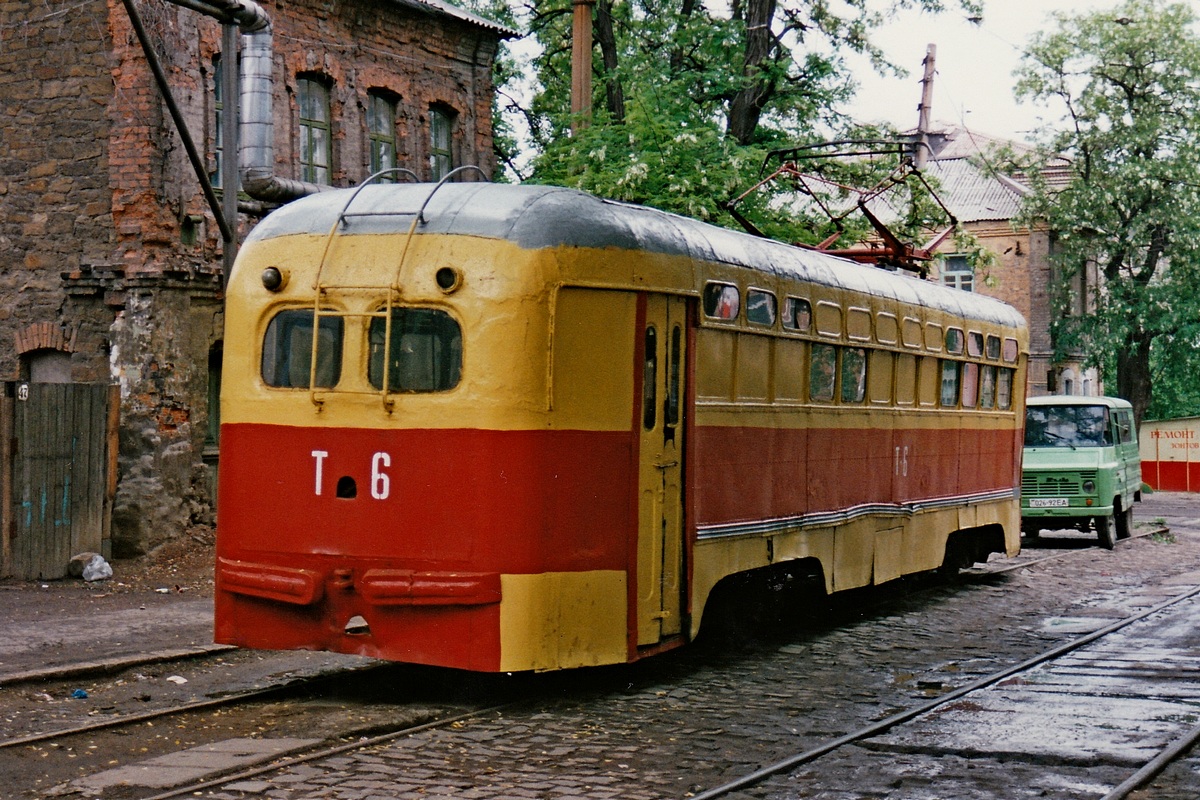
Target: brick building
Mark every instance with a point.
(110, 259)
(987, 205)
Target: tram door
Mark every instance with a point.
(660, 503)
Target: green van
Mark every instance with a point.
(1081, 466)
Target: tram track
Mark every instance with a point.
(1166, 756)
(443, 718)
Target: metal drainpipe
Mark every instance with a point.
(255, 129)
(257, 154)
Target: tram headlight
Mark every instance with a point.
(1089, 487)
(448, 279)
(274, 279)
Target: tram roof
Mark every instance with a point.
(538, 217)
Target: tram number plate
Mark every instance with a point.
(1048, 502)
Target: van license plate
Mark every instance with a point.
(1048, 502)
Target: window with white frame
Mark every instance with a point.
(958, 273)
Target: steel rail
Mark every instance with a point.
(185, 708)
(326, 752)
(884, 725)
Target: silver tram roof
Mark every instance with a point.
(538, 217)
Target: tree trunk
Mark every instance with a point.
(615, 95)
(746, 107)
(1133, 373)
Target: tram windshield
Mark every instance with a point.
(1067, 426)
(424, 354)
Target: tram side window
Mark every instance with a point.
(993, 348)
(288, 345)
(797, 314)
(822, 374)
(974, 344)
(1004, 389)
(906, 380)
(970, 385)
(949, 396)
(760, 307)
(954, 340)
(987, 387)
(424, 354)
(650, 380)
(722, 301)
(854, 374)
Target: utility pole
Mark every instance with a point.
(924, 109)
(581, 64)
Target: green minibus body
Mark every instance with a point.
(1081, 467)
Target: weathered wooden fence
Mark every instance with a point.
(58, 446)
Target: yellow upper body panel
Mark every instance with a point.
(542, 283)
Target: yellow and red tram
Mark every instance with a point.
(507, 428)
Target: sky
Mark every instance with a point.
(974, 64)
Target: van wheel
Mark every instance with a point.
(1104, 529)
(1124, 520)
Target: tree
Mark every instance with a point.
(688, 100)
(1128, 84)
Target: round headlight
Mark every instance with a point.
(1089, 487)
(273, 279)
(448, 279)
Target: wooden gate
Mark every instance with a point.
(58, 446)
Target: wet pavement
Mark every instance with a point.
(688, 721)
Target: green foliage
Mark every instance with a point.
(688, 101)
(1127, 223)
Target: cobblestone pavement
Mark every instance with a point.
(682, 723)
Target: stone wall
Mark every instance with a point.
(104, 233)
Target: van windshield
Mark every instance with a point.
(1067, 426)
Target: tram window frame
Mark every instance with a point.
(948, 391)
(722, 301)
(969, 384)
(437, 368)
(761, 307)
(975, 344)
(852, 373)
(987, 386)
(286, 361)
(797, 314)
(674, 368)
(1012, 351)
(906, 378)
(881, 374)
(822, 372)
(954, 341)
(650, 378)
(1004, 388)
(992, 348)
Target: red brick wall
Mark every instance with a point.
(96, 194)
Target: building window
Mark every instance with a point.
(381, 133)
(315, 139)
(958, 273)
(441, 153)
(218, 122)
